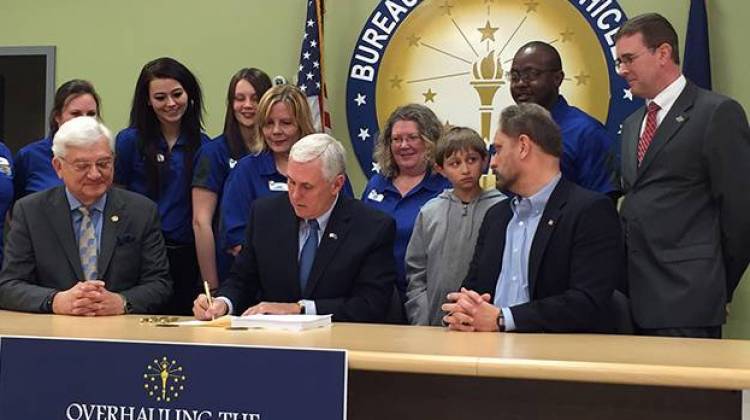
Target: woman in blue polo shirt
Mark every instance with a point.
(155, 158)
(405, 154)
(33, 166)
(283, 118)
(213, 163)
(6, 189)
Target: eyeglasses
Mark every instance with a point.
(410, 139)
(627, 59)
(102, 165)
(528, 74)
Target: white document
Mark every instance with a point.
(282, 322)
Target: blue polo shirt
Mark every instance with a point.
(589, 158)
(255, 176)
(6, 189)
(174, 200)
(381, 194)
(33, 168)
(213, 164)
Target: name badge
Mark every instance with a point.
(5, 167)
(277, 186)
(374, 196)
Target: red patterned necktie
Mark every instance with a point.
(648, 132)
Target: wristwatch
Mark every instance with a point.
(47, 307)
(500, 321)
(126, 306)
(301, 304)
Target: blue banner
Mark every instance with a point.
(697, 66)
(95, 380)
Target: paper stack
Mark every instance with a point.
(282, 322)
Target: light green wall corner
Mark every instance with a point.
(108, 43)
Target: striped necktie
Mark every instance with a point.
(87, 245)
(648, 132)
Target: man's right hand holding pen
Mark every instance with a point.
(205, 312)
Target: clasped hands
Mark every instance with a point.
(204, 312)
(467, 310)
(88, 298)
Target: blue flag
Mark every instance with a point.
(697, 65)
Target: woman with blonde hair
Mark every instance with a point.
(283, 118)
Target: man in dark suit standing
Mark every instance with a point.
(684, 173)
(547, 259)
(84, 248)
(312, 251)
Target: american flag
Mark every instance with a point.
(310, 74)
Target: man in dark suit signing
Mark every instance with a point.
(549, 258)
(84, 248)
(312, 251)
(684, 173)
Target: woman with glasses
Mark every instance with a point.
(33, 165)
(215, 160)
(405, 153)
(155, 158)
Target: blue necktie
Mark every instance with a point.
(307, 256)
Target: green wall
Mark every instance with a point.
(107, 42)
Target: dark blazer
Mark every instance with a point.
(686, 211)
(353, 274)
(576, 261)
(41, 255)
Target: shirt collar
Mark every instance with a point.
(323, 218)
(539, 200)
(267, 164)
(75, 204)
(181, 141)
(667, 97)
(559, 108)
(432, 181)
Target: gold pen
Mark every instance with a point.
(208, 295)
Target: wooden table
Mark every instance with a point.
(402, 372)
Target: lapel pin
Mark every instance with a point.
(680, 118)
(550, 222)
(159, 157)
(114, 218)
(333, 236)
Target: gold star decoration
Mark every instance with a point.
(429, 96)
(531, 6)
(446, 7)
(413, 40)
(581, 78)
(567, 35)
(396, 82)
(488, 32)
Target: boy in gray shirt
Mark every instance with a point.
(445, 231)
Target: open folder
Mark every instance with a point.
(275, 322)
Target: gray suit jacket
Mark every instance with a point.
(41, 253)
(685, 212)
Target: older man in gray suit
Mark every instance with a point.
(685, 159)
(84, 248)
